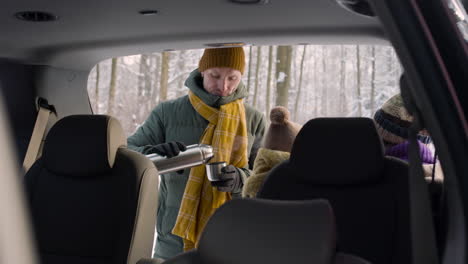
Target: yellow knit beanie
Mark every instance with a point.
(233, 58)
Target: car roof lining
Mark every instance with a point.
(88, 31)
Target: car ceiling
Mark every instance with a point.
(88, 30)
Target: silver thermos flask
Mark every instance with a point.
(194, 155)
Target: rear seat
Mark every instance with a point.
(92, 200)
(252, 231)
(342, 160)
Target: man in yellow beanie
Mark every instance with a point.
(212, 113)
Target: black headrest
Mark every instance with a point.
(269, 231)
(338, 151)
(83, 145)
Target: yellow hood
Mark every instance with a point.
(266, 159)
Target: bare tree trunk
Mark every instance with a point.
(157, 75)
(141, 74)
(144, 89)
(268, 91)
(257, 70)
(96, 93)
(324, 84)
(358, 80)
(342, 102)
(144, 81)
(283, 72)
(181, 65)
(315, 95)
(372, 95)
(112, 87)
(164, 76)
(298, 95)
(250, 68)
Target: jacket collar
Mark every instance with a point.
(195, 83)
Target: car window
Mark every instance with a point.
(310, 80)
(459, 13)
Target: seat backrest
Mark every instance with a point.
(92, 200)
(342, 160)
(252, 231)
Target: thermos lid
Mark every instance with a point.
(206, 151)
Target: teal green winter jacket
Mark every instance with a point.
(177, 120)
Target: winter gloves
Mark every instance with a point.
(231, 180)
(169, 149)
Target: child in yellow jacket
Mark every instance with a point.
(276, 148)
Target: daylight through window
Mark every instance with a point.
(310, 80)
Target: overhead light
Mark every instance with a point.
(249, 2)
(148, 12)
(224, 45)
(36, 16)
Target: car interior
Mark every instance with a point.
(72, 192)
(372, 203)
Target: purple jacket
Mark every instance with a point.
(401, 151)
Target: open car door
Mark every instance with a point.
(430, 38)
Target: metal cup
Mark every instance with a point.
(213, 170)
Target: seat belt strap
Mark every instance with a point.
(38, 134)
(423, 240)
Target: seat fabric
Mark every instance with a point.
(251, 231)
(84, 193)
(341, 160)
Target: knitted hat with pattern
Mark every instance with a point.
(393, 121)
(233, 58)
(282, 132)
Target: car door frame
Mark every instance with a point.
(415, 30)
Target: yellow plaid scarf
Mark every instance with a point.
(227, 134)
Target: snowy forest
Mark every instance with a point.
(310, 80)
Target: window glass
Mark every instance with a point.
(310, 80)
(460, 16)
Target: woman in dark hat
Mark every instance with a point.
(393, 122)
